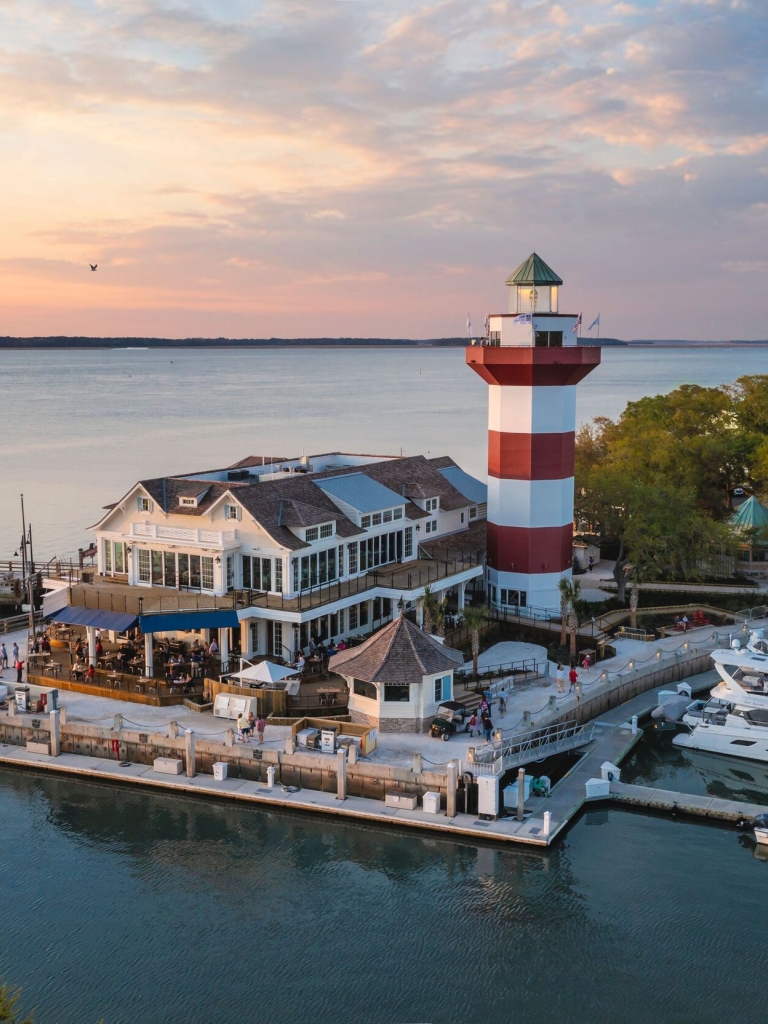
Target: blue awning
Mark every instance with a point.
(74, 615)
(189, 620)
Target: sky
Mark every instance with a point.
(377, 168)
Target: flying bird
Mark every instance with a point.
(93, 265)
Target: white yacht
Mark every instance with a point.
(734, 721)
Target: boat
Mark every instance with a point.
(734, 721)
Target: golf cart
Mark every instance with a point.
(451, 717)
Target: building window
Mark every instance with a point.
(188, 501)
(363, 613)
(206, 581)
(295, 574)
(365, 521)
(247, 584)
(341, 621)
(363, 689)
(397, 513)
(387, 516)
(311, 534)
(255, 636)
(431, 526)
(549, 339)
(376, 519)
(145, 505)
(494, 338)
(279, 575)
(513, 598)
(473, 513)
(231, 512)
(431, 505)
(341, 560)
(145, 567)
(353, 617)
(277, 640)
(326, 530)
(408, 552)
(443, 688)
(230, 572)
(352, 558)
(170, 568)
(396, 693)
(121, 557)
(108, 556)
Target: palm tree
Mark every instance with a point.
(564, 586)
(428, 605)
(438, 617)
(474, 620)
(634, 598)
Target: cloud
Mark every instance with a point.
(381, 161)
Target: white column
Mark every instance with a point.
(55, 733)
(462, 595)
(91, 645)
(148, 658)
(224, 646)
(246, 646)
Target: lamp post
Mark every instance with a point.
(27, 568)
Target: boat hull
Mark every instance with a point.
(747, 745)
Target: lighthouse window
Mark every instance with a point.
(549, 339)
(495, 338)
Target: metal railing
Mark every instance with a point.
(527, 667)
(513, 750)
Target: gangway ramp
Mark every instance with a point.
(515, 749)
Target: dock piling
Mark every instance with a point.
(190, 752)
(452, 782)
(55, 733)
(341, 775)
(520, 794)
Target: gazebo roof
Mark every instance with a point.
(534, 271)
(399, 653)
(751, 515)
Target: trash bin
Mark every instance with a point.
(22, 698)
(220, 770)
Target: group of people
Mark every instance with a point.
(682, 623)
(573, 677)
(247, 726)
(18, 664)
(480, 721)
(319, 649)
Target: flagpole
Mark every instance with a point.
(598, 327)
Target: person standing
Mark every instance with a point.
(3, 657)
(474, 724)
(487, 728)
(241, 727)
(591, 563)
(15, 652)
(503, 701)
(560, 679)
(19, 669)
(573, 676)
(260, 727)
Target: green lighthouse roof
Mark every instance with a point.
(534, 271)
(751, 515)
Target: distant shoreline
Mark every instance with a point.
(91, 344)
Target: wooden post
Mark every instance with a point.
(190, 753)
(520, 794)
(341, 775)
(452, 781)
(55, 733)
(417, 763)
(173, 730)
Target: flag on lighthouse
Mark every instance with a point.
(577, 325)
(595, 322)
(523, 318)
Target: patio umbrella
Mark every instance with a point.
(265, 672)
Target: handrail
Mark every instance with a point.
(509, 750)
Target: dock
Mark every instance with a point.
(613, 738)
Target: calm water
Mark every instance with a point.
(659, 763)
(158, 910)
(78, 429)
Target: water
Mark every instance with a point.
(658, 763)
(159, 909)
(79, 428)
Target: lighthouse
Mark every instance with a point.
(532, 362)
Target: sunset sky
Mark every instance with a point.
(252, 168)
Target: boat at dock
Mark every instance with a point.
(734, 721)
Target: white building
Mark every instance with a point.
(319, 546)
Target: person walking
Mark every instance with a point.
(560, 679)
(474, 723)
(260, 727)
(487, 728)
(573, 676)
(502, 701)
(591, 563)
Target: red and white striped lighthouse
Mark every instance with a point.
(532, 362)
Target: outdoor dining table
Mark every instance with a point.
(52, 668)
(135, 665)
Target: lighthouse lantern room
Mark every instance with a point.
(532, 362)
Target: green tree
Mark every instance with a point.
(428, 604)
(9, 1012)
(474, 620)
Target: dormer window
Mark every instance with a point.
(312, 533)
(430, 505)
(326, 530)
(365, 521)
(190, 502)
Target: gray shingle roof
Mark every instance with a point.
(398, 653)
